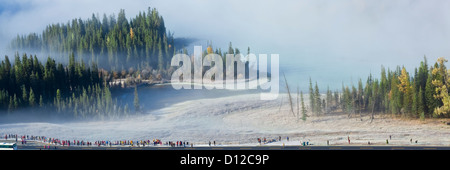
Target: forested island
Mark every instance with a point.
(140, 46)
(116, 43)
(85, 59)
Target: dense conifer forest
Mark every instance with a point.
(98, 51)
(422, 94)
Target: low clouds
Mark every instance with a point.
(23, 17)
(305, 33)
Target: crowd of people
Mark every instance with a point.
(48, 141)
(266, 141)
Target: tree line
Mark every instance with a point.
(72, 90)
(421, 94)
(114, 43)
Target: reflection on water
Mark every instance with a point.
(160, 96)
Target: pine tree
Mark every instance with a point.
(383, 89)
(368, 93)
(126, 109)
(16, 102)
(303, 107)
(415, 102)
(329, 100)
(58, 100)
(374, 98)
(353, 96)
(422, 79)
(405, 88)
(407, 100)
(336, 99)
(324, 106)
(160, 58)
(24, 95)
(41, 101)
(32, 99)
(230, 48)
(136, 100)
(420, 104)
(318, 103)
(11, 104)
(312, 99)
(395, 96)
(347, 102)
(359, 96)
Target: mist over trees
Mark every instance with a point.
(141, 45)
(115, 43)
(95, 52)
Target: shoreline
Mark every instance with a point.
(121, 83)
(40, 144)
(240, 120)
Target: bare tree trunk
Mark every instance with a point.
(289, 94)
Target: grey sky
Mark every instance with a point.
(339, 40)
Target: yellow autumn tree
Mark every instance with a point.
(209, 50)
(406, 88)
(441, 87)
(131, 33)
(404, 81)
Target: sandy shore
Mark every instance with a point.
(240, 120)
